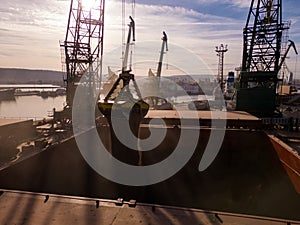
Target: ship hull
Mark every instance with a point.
(246, 177)
(290, 160)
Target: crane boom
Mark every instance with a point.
(121, 98)
(163, 47)
(131, 29)
(291, 44)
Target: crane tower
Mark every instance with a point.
(83, 44)
(262, 44)
(221, 50)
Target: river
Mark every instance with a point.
(30, 107)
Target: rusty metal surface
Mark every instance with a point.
(290, 160)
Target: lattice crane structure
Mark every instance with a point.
(221, 50)
(262, 44)
(82, 48)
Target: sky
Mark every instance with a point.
(30, 31)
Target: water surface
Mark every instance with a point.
(31, 107)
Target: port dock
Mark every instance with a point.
(249, 177)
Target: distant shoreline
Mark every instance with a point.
(30, 76)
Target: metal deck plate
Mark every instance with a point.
(35, 208)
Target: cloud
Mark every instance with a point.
(199, 25)
(240, 3)
(187, 28)
(32, 12)
(197, 4)
(36, 26)
(31, 34)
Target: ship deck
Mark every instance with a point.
(233, 119)
(189, 114)
(37, 208)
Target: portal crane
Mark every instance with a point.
(121, 107)
(83, 45)
(291, 44)
(261, 58)
(125, 76)
(120, 96)
(155, 102)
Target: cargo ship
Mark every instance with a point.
(219, 167)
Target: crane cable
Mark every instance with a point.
(124, 19)
(124, 26)
(133, 9)
(296, 65)
(133, 48)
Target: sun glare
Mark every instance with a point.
(88, 4)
